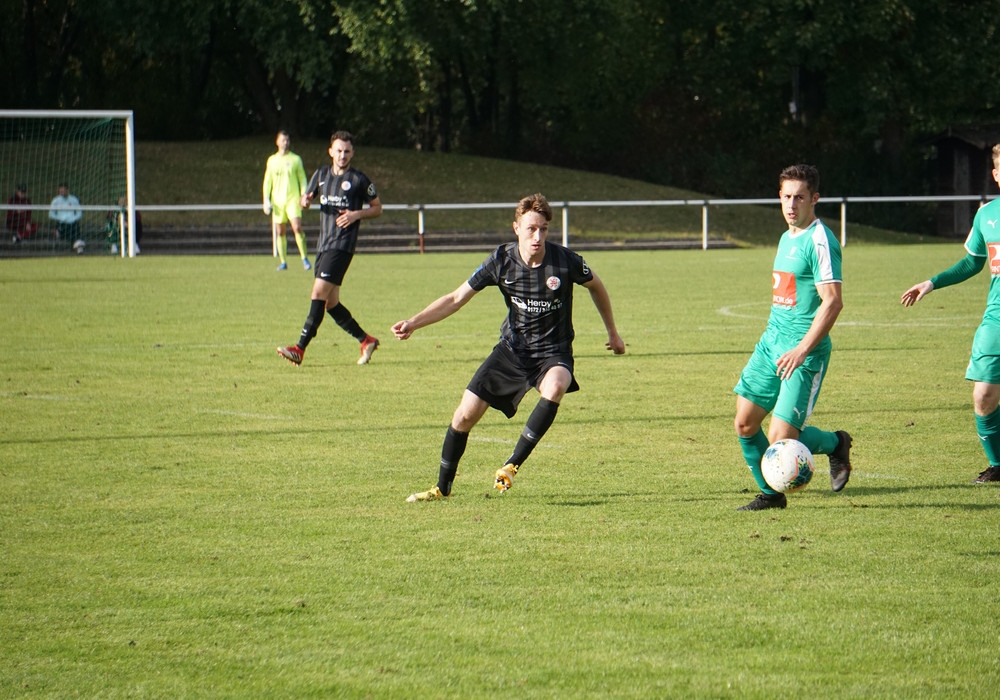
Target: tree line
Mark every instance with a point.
(709, 95)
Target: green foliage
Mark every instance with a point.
(186, 515)
(702, 94)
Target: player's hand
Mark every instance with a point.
(305, 200)
(788, 363)
(915, 293)
(344, 218)
(615, 344)
(402, 330)
(267, 208)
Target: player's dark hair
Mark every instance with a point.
(996, 156)
(801, 173)
(282, 132)
(342, 136)
(533, 202)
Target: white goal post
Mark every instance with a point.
(42, 149)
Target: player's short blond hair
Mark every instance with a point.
(533, 202)
(996, 156)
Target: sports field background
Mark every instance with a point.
(184, 514)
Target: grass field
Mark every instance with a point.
(183, 514)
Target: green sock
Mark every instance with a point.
(753, 451)
(819, 442)
(988, 428)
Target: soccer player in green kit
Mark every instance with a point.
(982, 244)
(785, 372)
(284, 184)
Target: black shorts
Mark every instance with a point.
(504, 378)
(331, 266)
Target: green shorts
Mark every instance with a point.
(984, 365)
(284, 213)
(793, 399)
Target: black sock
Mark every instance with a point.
(342, 316)
(315, 317)
(451, 453)
(538, 422)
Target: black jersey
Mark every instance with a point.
(539, 299)
(351, 191)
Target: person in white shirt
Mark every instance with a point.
(65, 214)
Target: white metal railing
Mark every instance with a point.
(565, 206)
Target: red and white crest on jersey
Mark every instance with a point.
(994, 249)
(553, 283)
(345, 185)
(783, 284)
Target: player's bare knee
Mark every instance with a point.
(462, 421)
(985, 398)
(745, 428)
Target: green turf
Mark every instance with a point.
(183, 514)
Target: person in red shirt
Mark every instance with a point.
(19, 222)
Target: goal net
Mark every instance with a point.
(67, 180)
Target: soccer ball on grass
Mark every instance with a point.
(787, 466)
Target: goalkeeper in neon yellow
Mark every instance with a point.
(981, 246)
(284, 184)
(786, 370)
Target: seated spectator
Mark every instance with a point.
(65, 214)
(115, 219)
(19, 222)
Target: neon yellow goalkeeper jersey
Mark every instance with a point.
(803, 260)
(984, 241)
(284, 179)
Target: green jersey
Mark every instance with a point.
(984, 242)
(804, 260)
(284, 179)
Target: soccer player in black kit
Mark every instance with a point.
(536, 279)
(343, 192)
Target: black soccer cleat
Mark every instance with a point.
(987, 475)
(840, 462)
(765, 501)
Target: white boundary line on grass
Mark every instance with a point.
(19, 395)
(241, 414)
(503, 441)
(731, 312)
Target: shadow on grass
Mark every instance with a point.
(849, 501)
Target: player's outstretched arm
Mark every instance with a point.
(602, 300)
(966, 268)
(917, 292)
(437, 310)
